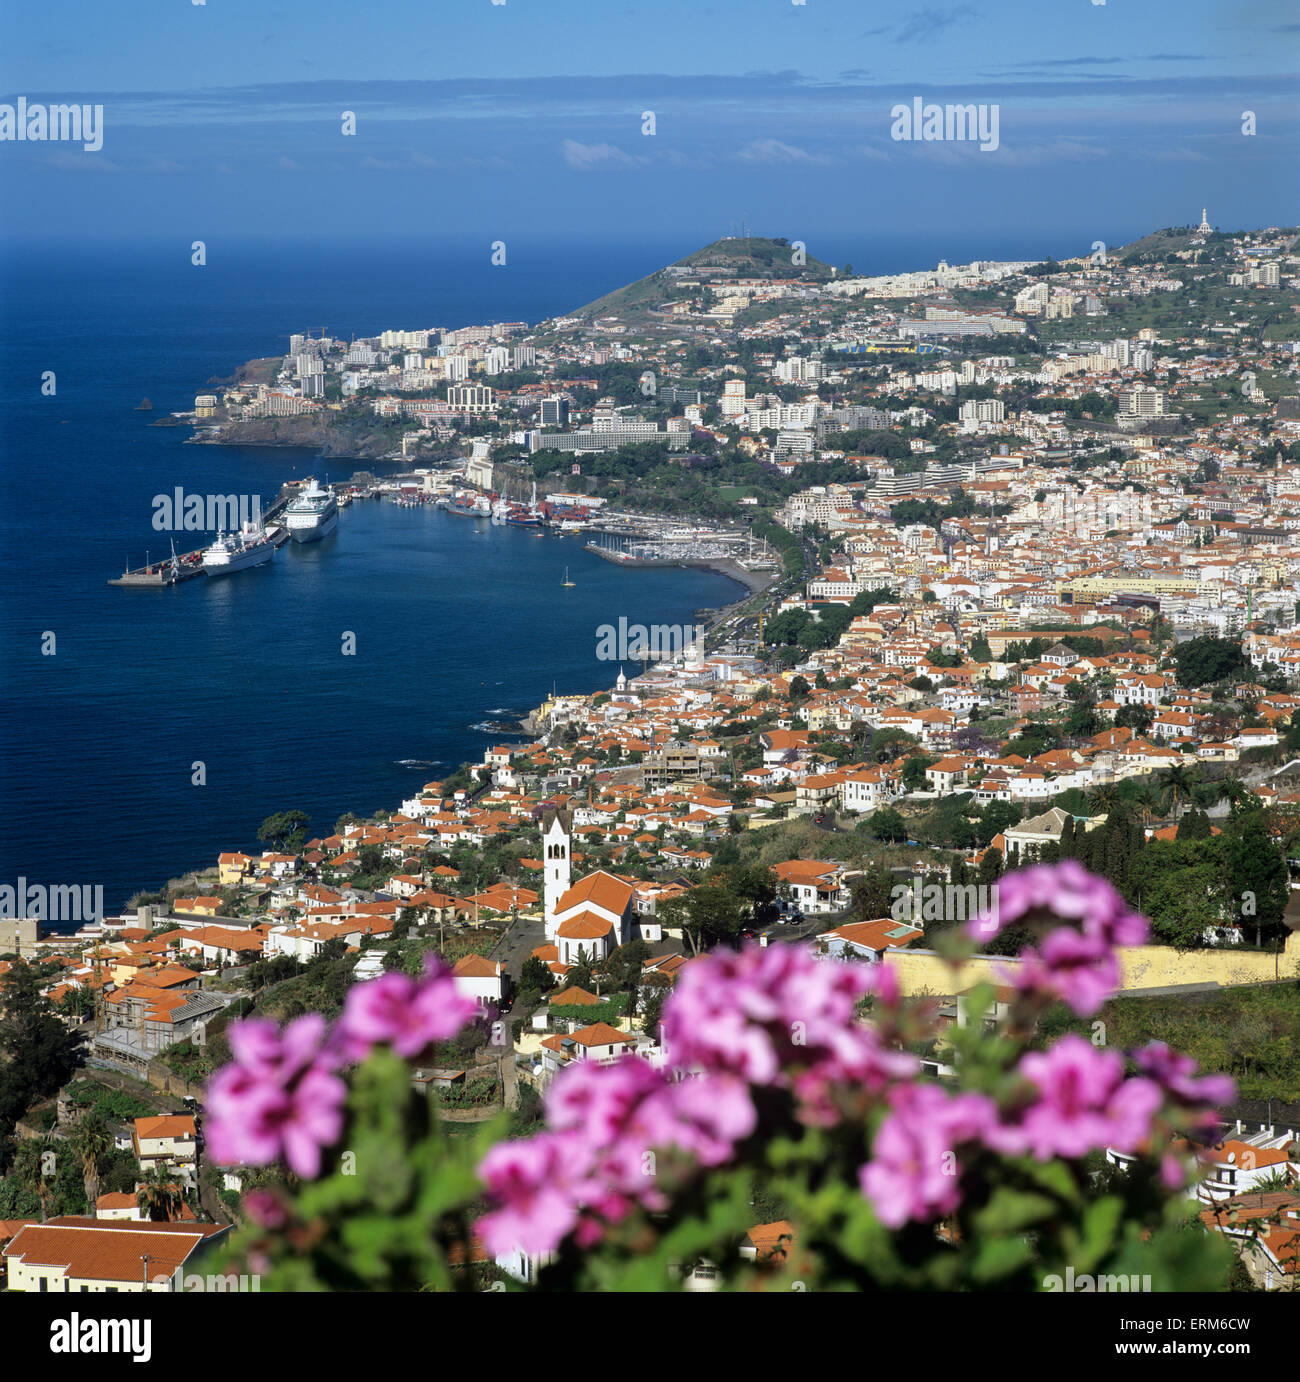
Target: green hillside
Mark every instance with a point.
(751, 257)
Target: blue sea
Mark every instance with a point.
(110, 696)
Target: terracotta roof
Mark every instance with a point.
(178, 1125)
(108, 1250)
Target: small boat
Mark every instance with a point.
(566, 581)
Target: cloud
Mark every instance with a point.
(289, 165)
(81, 162)
(927, 24)
(584, 157)
(1064, 62)
(774, 151)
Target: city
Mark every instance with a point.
(905, 900)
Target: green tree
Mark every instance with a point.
(158, 1195)
(92, 1142)
(888, 825)
(285, 832)
(1257, 874)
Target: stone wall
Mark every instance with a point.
(1143, 967)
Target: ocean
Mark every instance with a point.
(110, 696)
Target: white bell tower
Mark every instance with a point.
(557, 857)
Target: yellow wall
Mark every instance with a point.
(1143, 967)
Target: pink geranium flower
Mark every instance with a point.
(1083, 1103)
(1067, 891)
(1079, 968)
(279, 1098)
(778, 1016)
(609, 1122)
(404, 1013)
(914, 1173)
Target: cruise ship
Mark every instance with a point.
(312, 514)
(249, 547)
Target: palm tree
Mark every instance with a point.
(30, 1169)
(1178, 782)
(158, 1197)
(1103, 798)
(92, 1142)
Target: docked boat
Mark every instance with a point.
(234, 552)
(313, 514)
(471, 505)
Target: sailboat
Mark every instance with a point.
(566, 581)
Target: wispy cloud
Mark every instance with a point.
(927, 24)
(774, 151)
(585, 157)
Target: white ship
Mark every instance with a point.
(249, 547)
(312, 514)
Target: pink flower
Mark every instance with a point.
(1175, 1074)
(913, 1173)
(1066, 890)
(600, 1159)
(265, 1208)
(404, 1013)
(1079, 968)
(532, 1180)
(278, 1098)
(778, 1016)
(1083, 1103)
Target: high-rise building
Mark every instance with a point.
(555, 411)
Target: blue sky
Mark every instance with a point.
(526, 117)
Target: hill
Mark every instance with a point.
(729, 258)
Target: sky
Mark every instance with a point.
(529, 117)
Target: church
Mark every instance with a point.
(595, 915)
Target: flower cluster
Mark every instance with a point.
(758, 1044)
(914, 1171)
(777, 1016)
(599, 1158)
(1078, 963)
(281, 1098)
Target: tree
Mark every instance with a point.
(1209, 659)
(799, 688)
(285, 831)
(92, 1141)
(990, 866)
(708, 915)
(159, 1197)
(37, 1053)
(33, 1168)
(888, 825)
(1257, 874)
(535, 975)
(914, 767)
(1178, 782)
(872, 896)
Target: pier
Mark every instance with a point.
(186, 566)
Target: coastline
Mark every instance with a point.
(749, 584)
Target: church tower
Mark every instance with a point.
(557, 852)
